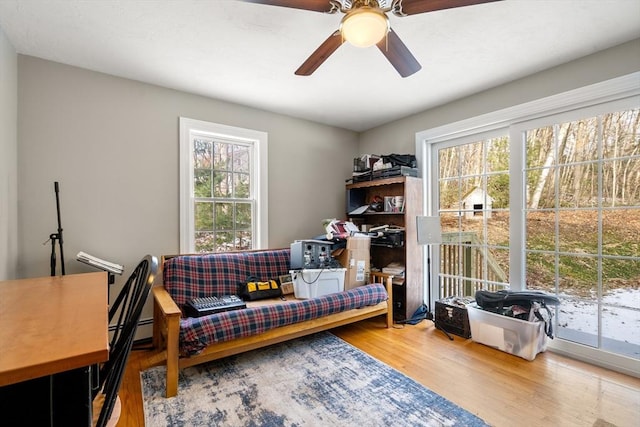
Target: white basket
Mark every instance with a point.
(311, 283)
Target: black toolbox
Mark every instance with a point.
(451, 315)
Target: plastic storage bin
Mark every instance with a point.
(311, 283)
(518, 337)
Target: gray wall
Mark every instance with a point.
(614, 62)
(112, 144)
(8, 159)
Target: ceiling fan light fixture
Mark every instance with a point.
(364, 26)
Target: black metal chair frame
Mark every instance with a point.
(128, 308)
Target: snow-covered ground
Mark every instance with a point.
(620, 315)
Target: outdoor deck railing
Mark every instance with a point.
(466, 266)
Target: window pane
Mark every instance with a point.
(222, 184)
(243, 215)
(451, 255)
(205, 242)
(450, 223)
(223, 152)
(471, 197)
(449, 162)
(541, 230)
(578, 185)
(449, 285)
(450, 194)
(225, 241)
(471, 159)
(620, 232)
(202, 153)
(241, 185)
(241, 159)
(578, 231)
(498, 229)
(540, 150)
(620, 133)
(578, 319)
(541, 188)
(224, 217)
(498, 155)
(243, 240)
(203, 216)
(498, 265)
(202, 183)
(577, 141)
(620, 275)
(498, 191)
(541, 271)
(621, 181)
(621, 326)
(578, 275)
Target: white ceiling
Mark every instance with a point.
(246, 53)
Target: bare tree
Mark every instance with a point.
(543, 136)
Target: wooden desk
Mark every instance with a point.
(52, 325)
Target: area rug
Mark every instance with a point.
(318, 380)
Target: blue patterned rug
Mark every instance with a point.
(318, 380)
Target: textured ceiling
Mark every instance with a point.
(247, 53)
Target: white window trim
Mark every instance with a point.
(189, 127)
(622, 92)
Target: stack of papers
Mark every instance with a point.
(99, 263)
(359, 211)
(397, 270)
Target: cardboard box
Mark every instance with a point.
(355, 259)
(519, 337)
(311, 283)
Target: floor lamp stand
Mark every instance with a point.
(429, 233)
(430, 315)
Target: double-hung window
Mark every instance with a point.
(223, 200)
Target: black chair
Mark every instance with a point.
(128, 308)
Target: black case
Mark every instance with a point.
(451, 315)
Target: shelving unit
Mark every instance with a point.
(408, 292)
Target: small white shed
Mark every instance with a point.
(477, 203)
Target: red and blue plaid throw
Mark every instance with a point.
(188, 277)
(197, 333)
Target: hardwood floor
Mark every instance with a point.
(502, 389)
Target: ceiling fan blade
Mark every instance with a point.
(398, 54)
(320, 55)
(314, 5)
(413, 7)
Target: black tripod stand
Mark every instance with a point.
(429, 233)
(57, 237)
(429, 315)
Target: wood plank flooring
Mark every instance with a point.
(502, 389)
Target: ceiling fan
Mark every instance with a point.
(364, 24)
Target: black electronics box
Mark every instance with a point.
(390, 238)
(451, 315)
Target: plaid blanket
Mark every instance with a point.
(197, 333)
(192, 276)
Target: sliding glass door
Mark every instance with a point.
(581, 180)
(553, 204)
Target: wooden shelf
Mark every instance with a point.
(377, 182)
(408, 295)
